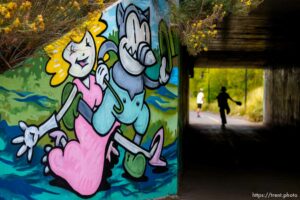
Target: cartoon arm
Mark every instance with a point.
(32, 134)
(105, 48)
(152, 84)
(102, 70)
(163, 76)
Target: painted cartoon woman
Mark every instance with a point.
(81, 161)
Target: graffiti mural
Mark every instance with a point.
(124, 102)
(109, 129)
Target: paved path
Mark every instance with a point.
(239, 162)
(208, 118)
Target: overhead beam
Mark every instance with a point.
(268, 37)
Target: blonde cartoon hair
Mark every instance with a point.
(57, 66)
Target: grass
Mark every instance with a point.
(255, 105)
(31, 77)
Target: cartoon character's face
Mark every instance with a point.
(81, 56)
(135, 43)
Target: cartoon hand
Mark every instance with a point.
(101, 74)
(60, 138)
(111, 150)
(29, 140)
(163, 76)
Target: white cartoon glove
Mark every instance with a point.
(163, 76)
(101, 74)
(28, 141)
(31, 136)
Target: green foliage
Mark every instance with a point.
(26, 25)
(196, 23)
(211, 80)
(254, 108)
(114, 36)
(243, 7)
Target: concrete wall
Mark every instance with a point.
(66, 133)
(282, 100)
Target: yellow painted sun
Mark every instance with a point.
(57, 66)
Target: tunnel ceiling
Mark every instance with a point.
(268, 37)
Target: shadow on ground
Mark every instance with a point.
(239, 162)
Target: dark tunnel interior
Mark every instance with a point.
(241, 161)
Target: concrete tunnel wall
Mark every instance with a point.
(282, 99)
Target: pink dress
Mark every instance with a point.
(81, 162)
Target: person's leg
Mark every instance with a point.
(198, 110)
(228, 110)
(200, 107)
(223, 116)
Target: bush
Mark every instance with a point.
(28, 25)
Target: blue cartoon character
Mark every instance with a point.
(124, 100)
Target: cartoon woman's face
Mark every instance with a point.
(81, 56)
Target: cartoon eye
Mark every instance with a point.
(72, 50)
(134, 31)
(145, 32)
(87, 43)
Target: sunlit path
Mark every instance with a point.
(208, 118)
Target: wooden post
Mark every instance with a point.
(208, 86)
(246, 88)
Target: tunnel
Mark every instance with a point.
(241, 161)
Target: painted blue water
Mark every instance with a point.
(37, 99)
(22, 180)
(29, 97)
(174, 78)
(156, 101)
(22, 94)
(163, 91)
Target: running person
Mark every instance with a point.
(200, 97)
(223, 104)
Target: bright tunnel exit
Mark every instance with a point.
(245, 86)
